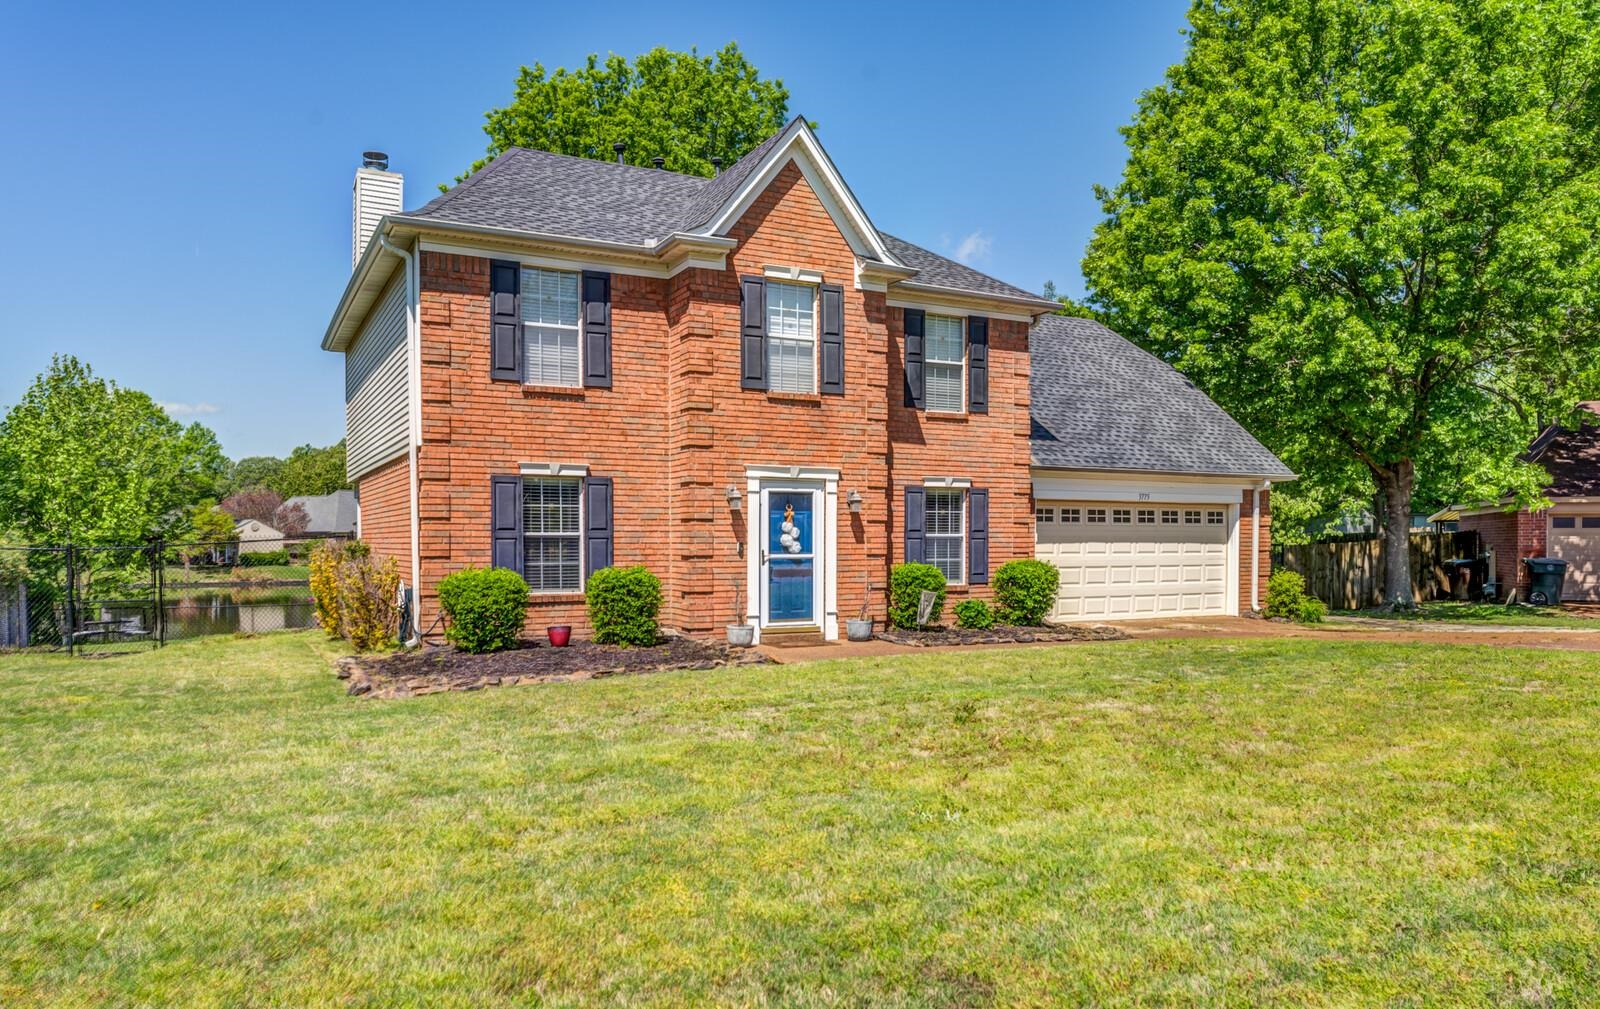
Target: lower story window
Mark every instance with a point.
(945, 535)
(550, 526)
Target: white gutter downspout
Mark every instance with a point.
(1255, 546)
(413, 421)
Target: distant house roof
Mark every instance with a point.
(1101, 403)
(329, 513)
(1571, 456)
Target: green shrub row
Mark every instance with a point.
(487, 608)
(263, 558)
(1024, 593)
(1287, 600)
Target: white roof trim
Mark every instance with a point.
(824, 179)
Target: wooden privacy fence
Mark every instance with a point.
(1348, 574)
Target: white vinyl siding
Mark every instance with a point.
(550, 326)
(376, 390)
(791, 337)
(943, 361)
(550, 524)
(944, 535)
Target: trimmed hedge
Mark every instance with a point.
(974, 614)
(907, 582)
(263, 558)
(1287, 599)
(624, 604)
(487, 608)
(1025, 591)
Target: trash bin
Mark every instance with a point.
(1546, 575)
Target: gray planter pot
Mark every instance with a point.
(741, 635)
(858, 630)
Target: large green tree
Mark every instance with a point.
(1369, 228)
(683, 107)
(311, 470)
(84, 459)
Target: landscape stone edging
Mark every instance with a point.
(360, 681)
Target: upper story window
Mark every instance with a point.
(943, 362)
(550, 327)
(791, 337)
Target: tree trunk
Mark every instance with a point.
(1395, 484)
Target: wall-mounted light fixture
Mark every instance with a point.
(734, 501)
(853, 499)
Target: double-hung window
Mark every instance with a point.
(550, 524)
(550, 327)
(945, 533)
(791, 337)
(944, 358)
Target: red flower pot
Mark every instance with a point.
(559, 635)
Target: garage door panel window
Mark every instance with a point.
(1563, 522)
(946, 533)
(1591, 521)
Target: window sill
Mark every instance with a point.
(532, 390)
(575, 596)
(795, 397)
(954, 418)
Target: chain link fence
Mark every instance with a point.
(101, 599)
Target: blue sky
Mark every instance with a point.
(176, 179)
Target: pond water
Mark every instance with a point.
(221, 612)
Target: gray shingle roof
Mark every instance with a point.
(935, 270)
(328, 513)
(1101, 403)
(581, 198)
(554, 194)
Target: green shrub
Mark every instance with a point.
(974, 614)
(487, 608)
(907, 582)
(1025, 591)
(1287, 599)
(623, 605)
(263, 558)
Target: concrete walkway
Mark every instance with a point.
(1336, 629)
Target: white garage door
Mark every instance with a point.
(1576, 540)
(1120, 560)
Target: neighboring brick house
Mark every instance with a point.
(1569, 529)
(741, 383)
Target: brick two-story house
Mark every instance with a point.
(740, 382)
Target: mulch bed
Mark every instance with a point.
(435, 669)
(1002, 635)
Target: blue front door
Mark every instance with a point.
(791, 556)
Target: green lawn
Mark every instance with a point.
(1485, 613)
(1162, 823)
(177, 576)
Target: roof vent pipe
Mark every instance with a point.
(659, 161)
(375, 159)
(619, 147)
(717, 164)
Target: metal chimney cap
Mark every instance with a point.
(375, 159)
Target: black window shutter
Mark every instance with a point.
(916, 523)
(505, 321)
(914, 327)
(505, 522)
(977, 364)
(598, 527)
(752, 333)
(977, 536)
(596, 329)
(832, 339)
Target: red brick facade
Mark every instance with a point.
(1263, 555)
(675, 430)
(1512, 536)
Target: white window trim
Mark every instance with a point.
(959, 365)
(960, 536)
(578, 469)
(583, 577)
(576, 329)
(815, 339)
(792, 274)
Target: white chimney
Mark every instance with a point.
(377, 191)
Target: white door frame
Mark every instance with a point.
(825, 538)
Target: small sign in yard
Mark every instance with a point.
(925, 607)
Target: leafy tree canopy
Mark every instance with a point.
(312, 471)
(84, 459)
(254, 471)
(1368, 228)
(683, 107)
